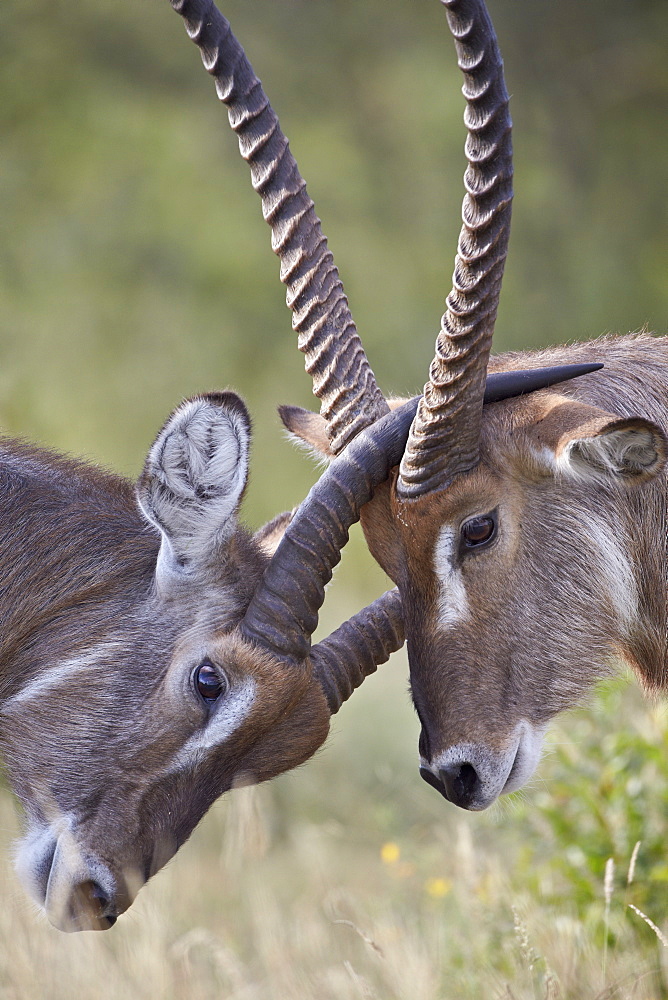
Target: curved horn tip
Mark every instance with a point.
(504, 385)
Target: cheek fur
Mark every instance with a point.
(61, 673)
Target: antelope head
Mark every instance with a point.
(503, 525)
(156, 654)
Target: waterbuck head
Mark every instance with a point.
(508, 528)
(342, 378)
(529, 586)
(154, 653)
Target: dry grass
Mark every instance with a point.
(349, 879)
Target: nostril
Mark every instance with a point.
(95, 894)
(461, 783)
(467, 778)
(90, 898)
(432, 780)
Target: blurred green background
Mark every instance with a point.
(135, 269)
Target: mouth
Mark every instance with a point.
(527, 757)
(42, 869)
(514, 779)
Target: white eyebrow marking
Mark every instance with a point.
(453, 605)
(229, 717)
(62, 670)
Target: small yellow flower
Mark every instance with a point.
(390, 853)
(437, 888)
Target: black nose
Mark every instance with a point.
(461, 782)
(458, 783)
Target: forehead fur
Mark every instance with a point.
(469, 494)
(506, 440)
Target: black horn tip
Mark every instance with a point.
(503, 385)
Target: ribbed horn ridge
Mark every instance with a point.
(343, 660)
(283, 613)
(445, 434)
(342, 379)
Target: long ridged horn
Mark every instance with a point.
(342, 378)
(343, 660)
(283, 613)
(445, 435)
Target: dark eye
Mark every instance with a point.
(209, 682)
(478, 531)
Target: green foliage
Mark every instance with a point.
(601, 803)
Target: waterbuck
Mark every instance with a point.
(154, 653)
(527, 538)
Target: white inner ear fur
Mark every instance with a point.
(453, 605)
(194, 477)
(312, 451)
(624, 452)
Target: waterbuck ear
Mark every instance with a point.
(586, 443)
(307, 429)
(269, 536)
(194, 477)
